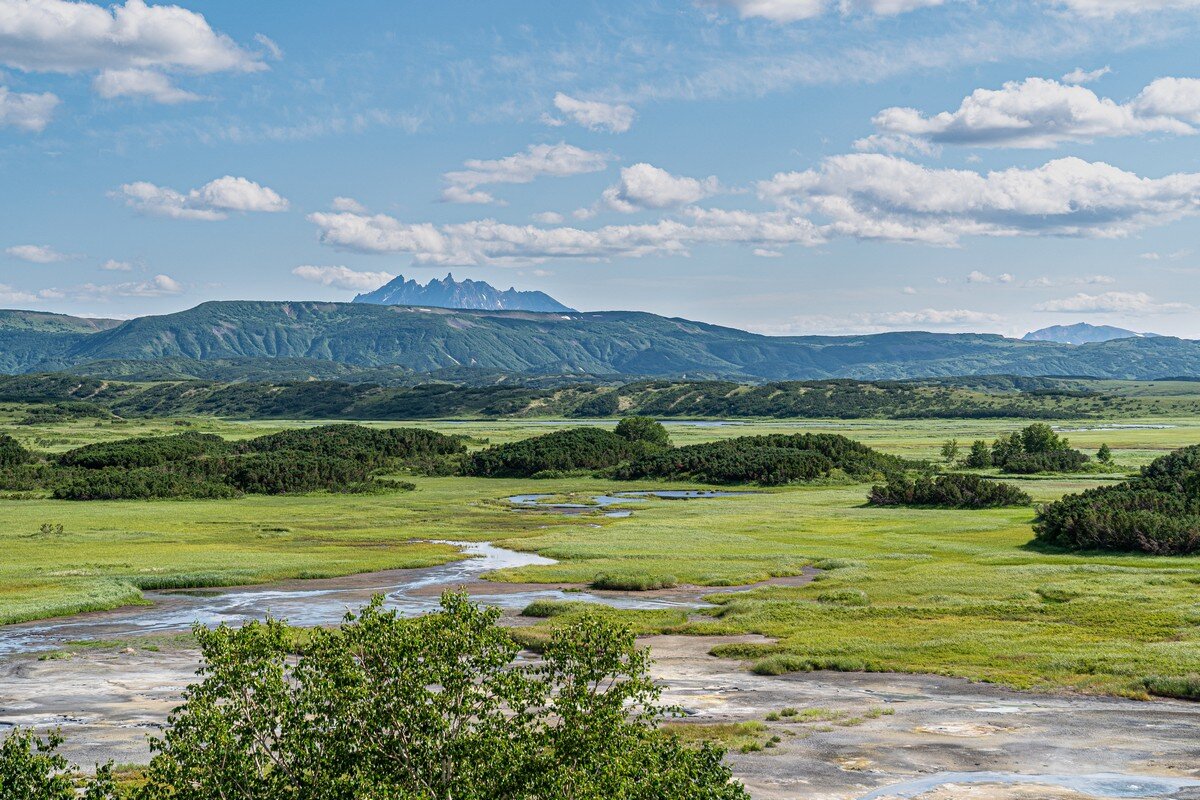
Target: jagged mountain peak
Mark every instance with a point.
(469, 294)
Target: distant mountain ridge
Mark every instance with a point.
(469, 294)
(606, 343)
(1083, 333)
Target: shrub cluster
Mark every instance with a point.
(954, 490)
(1036, 448)
(336, 458)
(563, 451)
(770, 460)
(12, 454)
(1157, 512)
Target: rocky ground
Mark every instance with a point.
(854, 736)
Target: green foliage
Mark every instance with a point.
(562, 451)
(145, 451)
(627, 582)
(950, 451)
(32, 769)
(1158, 512)
(1036, 448)
(1104, 455)
(644, 429)
(1180, 687)
(979, 456)
(954, 490)
(770, 460)
(429, 708)
(12, 454)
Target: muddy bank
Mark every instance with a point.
(935, 738)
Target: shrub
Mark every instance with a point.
(634, 583)
(644, 429)
(145, 451)
(562, 451)
(12, 454)
(1157, 512)
(948, 491)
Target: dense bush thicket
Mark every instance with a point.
(1157, 512)
(954, 490)
(196, 465)
(431, 708)
(12, 454)
(1036, 448)
(769, 460)
(562, 451)
(145, 451)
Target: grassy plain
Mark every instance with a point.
(948, 592)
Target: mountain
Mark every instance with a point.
(603, 343)
(34, 336)
(1082, 333)
(449, 293)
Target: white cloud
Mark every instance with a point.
(69, 37)
(158, 286)
(348, 204)
(1112, 8)
(36, 253)
(933, 316)
(1080, 75)
(29, 112)
(1043, 281)
(1112, 302)
(114, 83)
(975, 276)
(548, 218)
(763, 252)
(212, 201)
(343, 277)
(909, 290)
(273, 49)
(594, 115)
(491, 242)
(796, 10)
(860, 323)
(873, 196)
(112, 265)
(644, 186)
(1038, 112)
(539, 160)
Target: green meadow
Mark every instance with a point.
(959, 593)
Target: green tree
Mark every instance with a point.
(32, 769)
(950, 451)
(644, 429)
(430, 708)
(1104, 455)
(979, 456)
(1040, 438)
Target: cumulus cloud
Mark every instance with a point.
(68, 37)
(595, 115)
(548, 218)
(112, 265)
(28, 112)
(36, 253)
(539, 160)
(158, 286)
(347, 204)
(1038, 112)
(114, 83)
(1112, 302)
(212, 201)
(875, 196)
(644, 186)
(343, 277)
(1080, 75)
(491, 242)
(975, 276)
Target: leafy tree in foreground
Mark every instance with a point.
(430, 708)
(31, 769)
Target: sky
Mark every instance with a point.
(782, 166)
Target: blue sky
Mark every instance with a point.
(785, 166)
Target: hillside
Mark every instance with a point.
(1082, 333)
(29, 337)
(611, 343)
(449, 293)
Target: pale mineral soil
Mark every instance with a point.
(868, 736)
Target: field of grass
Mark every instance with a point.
(948, 592)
